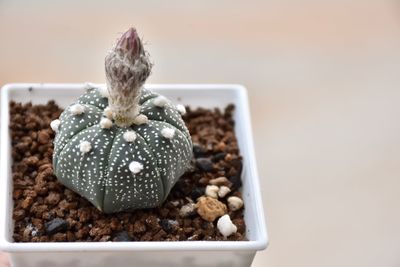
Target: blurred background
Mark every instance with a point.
(324, 85)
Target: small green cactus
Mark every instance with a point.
(123, 147)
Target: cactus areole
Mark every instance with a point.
(122, 147)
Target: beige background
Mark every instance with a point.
(323, 79)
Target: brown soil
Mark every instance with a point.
(46, 211)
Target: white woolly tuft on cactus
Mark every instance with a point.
(160, 101)
(77, 109)
(103, 91)
(55, 125)
(106, 123)
(108, 112)
(141, 119)
(181, 108)
(129, 136)
(85, 147)
(135, 167)
(168, 133)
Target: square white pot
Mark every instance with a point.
(177, 253)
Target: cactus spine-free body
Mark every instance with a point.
(123, 147)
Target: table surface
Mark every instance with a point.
(324, 91)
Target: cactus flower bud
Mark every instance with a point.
(127, 68)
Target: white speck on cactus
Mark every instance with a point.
(103, 91)
(129, 136)
(77, 109)
(85, 147)
(168, 133)
(160, 101)
(141, 119)
(181, 108)
(55, 125)
(135, 167)
(226, 226)
(106, 123)
(108, 112)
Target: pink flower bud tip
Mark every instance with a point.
(129, 43)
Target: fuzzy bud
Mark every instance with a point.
(127, 68)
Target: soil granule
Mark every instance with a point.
(46, 211)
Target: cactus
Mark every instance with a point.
(123, 147)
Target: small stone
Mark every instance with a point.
(121, 237)
(198, 151)
(139, 227)
(168, 225)
(236, 181)
(223, 191)
(212, 191)
(219, 156)
(197, 192)
(235, 203)
(56, 225)
(43, 137)
(204, 164)
(210, 208)
(187, 210)
(226, 226)
(19, 214)
(220, 181)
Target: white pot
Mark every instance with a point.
(177, 253)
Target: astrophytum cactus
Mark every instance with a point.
(122, 147)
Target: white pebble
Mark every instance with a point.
(187, 210)
(140, 119)
(181, 108)
(223, 191)
(108, 113)
(226, 226)
(77, 109)
(168, 133)
(212, 191)
(55, 125)
(135, 167)
(235, 203)
(129, 136)
(103, 91)
(105, 123)
(85, 147)
(160, 101)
